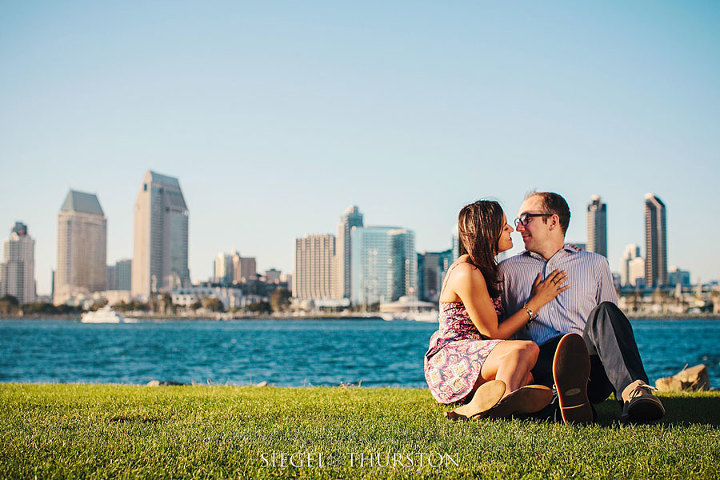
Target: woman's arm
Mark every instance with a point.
(469, 284)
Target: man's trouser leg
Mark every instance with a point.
(614, 354)
(614, 357)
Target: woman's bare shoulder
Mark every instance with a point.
(464, 272)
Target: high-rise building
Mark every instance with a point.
(432, 267)
(160, 252)
(123, 274)
(111, 275)
(17, 272)
(248, 269)
(656, 271)
(351, 218)
(597, 226)
(244, 268)
(636, 272)
(224, 271)
(455, 244)
(403, 264)
(81, 247)
(314, 276)
(384, 264)
(632, 252)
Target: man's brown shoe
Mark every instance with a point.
(639, 403)
(571, 370)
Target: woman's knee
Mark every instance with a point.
(525, 350)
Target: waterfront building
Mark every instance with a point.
(350, 219)
(597, 226)
(676, 277)
(17, 272)
(384, 264)
(273, 275)
(314, 277)
(632, 252)
(160, 252)
(655, 242)
(81, 247)
(230, 296)
(431, 269)
(223, 269)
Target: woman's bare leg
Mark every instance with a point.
(511, 362)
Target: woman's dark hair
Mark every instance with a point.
(480, 225)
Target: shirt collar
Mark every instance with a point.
(566, 250)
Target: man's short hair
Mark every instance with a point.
(556, 204)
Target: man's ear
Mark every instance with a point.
(554, 221)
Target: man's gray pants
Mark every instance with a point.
(614, 355)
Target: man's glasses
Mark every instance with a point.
(525, 218)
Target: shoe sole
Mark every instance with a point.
(527, 399)
(571, 370)
(485, 398)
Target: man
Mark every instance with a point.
(587, 346)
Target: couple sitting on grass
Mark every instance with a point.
(577, 346)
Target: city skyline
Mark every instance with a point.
(276, 118)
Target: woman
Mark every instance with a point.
(469, 359)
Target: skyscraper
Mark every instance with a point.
(123, 274)
(160, 253)
(81, 247)
(384, 264)
(17, 272)
(223, 269)
(597, 226)
(431, 270)
(656, 271)
(351, 218)
(314, 277)
(403, 264)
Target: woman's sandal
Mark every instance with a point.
(524, 400)
(484, 399)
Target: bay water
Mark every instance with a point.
(367, 352)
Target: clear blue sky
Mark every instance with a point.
(276, 116)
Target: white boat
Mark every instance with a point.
(426, 316)
(105, 315)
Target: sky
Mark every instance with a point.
(276, 116)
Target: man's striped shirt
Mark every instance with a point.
(590, 283)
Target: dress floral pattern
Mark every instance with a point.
(457, 353)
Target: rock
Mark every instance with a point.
(697, 377)
(689, 379)
(668, 384)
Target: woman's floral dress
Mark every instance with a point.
(456, 354)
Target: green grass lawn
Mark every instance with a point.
(103, 431)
